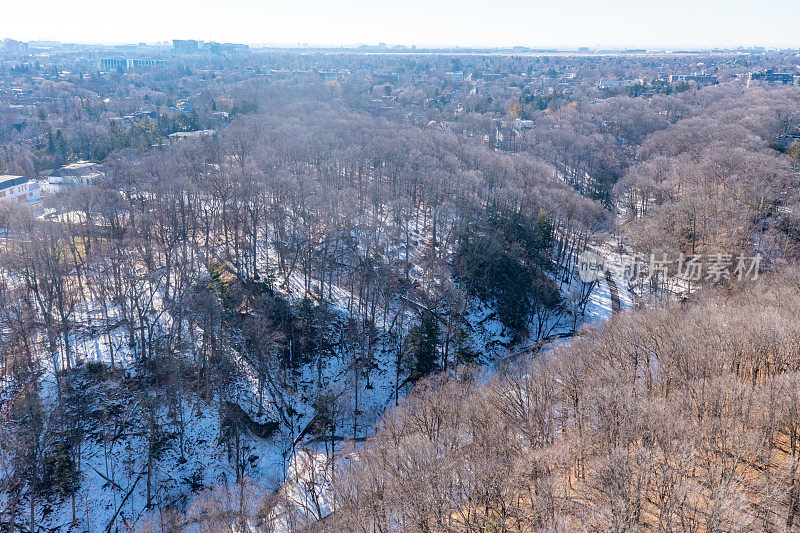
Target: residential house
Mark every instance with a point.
(181, 135)
(19, 190)
(80, 173)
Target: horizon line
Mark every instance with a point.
(581, 48)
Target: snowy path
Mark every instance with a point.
(613, 289)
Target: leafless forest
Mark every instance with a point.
(341, 292)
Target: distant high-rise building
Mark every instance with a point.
(108, 64)
(226, 49)
(185, 46)
(14, 48)
(770, 76)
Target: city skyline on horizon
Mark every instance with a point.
(411, 48)
(470, 24)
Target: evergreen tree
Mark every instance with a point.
(421, 346)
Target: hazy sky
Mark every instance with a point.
(641, 23)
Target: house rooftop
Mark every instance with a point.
(7, 181)
(79, 165)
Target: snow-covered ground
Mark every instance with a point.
(113, 482)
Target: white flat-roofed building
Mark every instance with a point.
(19, 190)
(182, 135)
(80, 173)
